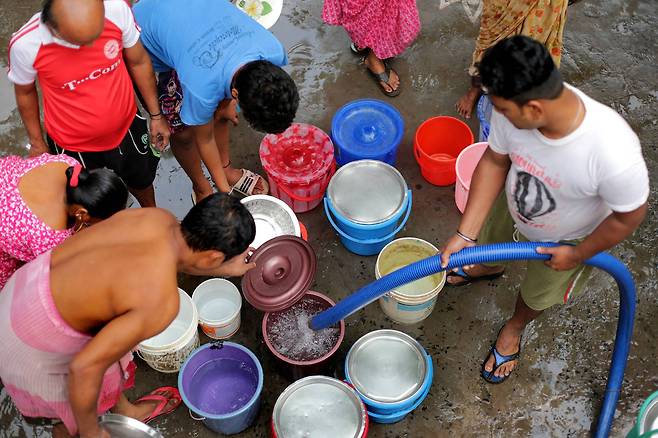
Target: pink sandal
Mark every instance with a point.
(164, 396)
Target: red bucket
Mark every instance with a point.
(437, 144)
(299, 164)
(276, 334)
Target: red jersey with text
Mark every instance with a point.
(88, 97)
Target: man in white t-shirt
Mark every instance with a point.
(573, 172)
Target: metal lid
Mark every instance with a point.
(319, 407)
(367, 191)
(273, 218)
(649, 418)
(387, 366)
(367, 127)
(120, 426)
(285, 268)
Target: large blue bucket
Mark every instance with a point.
(367, 246)
(367, 129)
(374, 360)
(221, 384)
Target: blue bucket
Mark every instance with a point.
(367, 129)
(394, 417)
(391, 413)
(367, 246)
(484, 109)
(221, 384)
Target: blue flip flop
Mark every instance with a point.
(468, 279)
(500, 360)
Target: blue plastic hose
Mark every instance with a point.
(507, 252)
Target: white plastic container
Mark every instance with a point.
(167, 351)
(414, 302)
(219, 303)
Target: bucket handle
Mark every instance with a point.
(416, 153)
(283, 188)
(369, 241)
(194, 417)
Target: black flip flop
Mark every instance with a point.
(359, 52)
(384, 77)
(499, 360)
(468, 279)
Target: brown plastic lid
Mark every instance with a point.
(285, 269)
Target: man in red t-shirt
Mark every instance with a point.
(84, 55)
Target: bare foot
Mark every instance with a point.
(508, 342)
(140, 410)
(199, 195)
(474, 272)
(467, 102)
(377, 66)
(234, 175)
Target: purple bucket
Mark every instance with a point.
(221, 383)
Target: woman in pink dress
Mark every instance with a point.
(47, 198)
(379, 29)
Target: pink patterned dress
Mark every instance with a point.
(387, 27)
(23, 236)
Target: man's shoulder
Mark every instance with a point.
(29, 37)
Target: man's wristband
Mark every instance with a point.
(465, 237)
(155, 115)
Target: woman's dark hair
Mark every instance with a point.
(520, 69)
(100, 191)
(47, 13)
(268, 96)
(221, 223)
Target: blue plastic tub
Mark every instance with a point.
(221, 384)
(394, 417)
(367, 246)
(367, 129)
(381, 411)
(369, 231)
(484, 109)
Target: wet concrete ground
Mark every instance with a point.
(610, 53)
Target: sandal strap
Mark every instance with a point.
(501, 359)
(246, 183)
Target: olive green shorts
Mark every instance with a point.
(542, 286)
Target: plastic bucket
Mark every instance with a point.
(319, 406)
(391, 372)
(221, 384)
(218, 302)
(647, 419)
(437, 143)
(274, 328)
(299, 164)
(415, 301)
(167, 351)
(467, 161)
(367, 129)
(484, 109)
(371, 246)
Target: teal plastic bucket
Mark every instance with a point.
(647, 420)
(366, 246)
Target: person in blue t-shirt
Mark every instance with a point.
(221, 62)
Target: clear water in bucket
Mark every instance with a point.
(291, 335)
(319, 411)
(227, 385)
(217, 309)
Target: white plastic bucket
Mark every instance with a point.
(219, 303)
(167, 351)
(412, 302)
